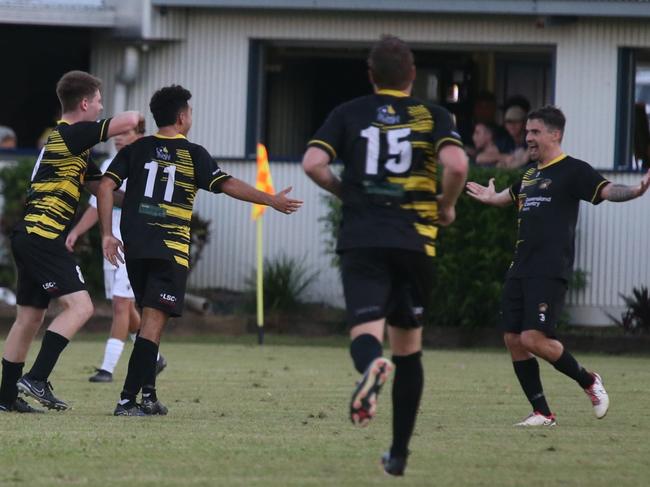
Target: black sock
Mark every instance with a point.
(407, 391)
(141, 357)
(363, 350)
(51, 347)
(149, 384)
(11, 372)
(527, 372)
(569, 366)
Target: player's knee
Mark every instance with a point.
(512, 341)
(530, 342)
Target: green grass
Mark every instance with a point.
(242, 415)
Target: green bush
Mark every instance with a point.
(636, 318)
(285, 281)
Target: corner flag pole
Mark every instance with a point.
(263, 183)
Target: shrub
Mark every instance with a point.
(285, 281)
(636, 318)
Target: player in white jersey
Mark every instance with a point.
(126, 319)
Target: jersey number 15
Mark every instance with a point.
(398, 147)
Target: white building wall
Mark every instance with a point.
(213, 62)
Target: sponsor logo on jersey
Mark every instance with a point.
(163, 154)
(49, 286)
(545, 183)
(386, 114)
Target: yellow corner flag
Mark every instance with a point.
(264, 182)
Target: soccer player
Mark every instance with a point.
(45, 268)
(126, 319)
(547, 198)
(164, 172)
(390, 144)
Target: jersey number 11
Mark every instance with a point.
(152, 167)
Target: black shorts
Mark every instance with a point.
(45, 270)
(158, 284)
(386, 283)
(532, 304)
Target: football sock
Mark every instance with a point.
(112, 353)
(133, 336)
(363, 350)
(51, 347)
(149, 382)
(144, 351)
(11, 372)
(569, 366)
(527, 372)
(407, 391)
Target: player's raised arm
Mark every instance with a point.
(240, 190)
(488, 195)
(123, 122)
(316, 162)
(621, 192)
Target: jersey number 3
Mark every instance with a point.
(152, 167)
(398, 147)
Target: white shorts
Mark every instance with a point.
(116, 283)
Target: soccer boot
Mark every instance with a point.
(537, 419)
(153, 407)
(129, 408)
(393, 465)
(101, 375)
(41, 390)
(161, 363)
(598, 396)
(19, 406)
(363, 405)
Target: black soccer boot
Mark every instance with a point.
(129, 408)
(101, 375)
(41, 390)
(393, 465)
(19, 406)
(363, 405)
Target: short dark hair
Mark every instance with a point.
(167, 103)
(551, 116)
(74, 86)
(390, 62)
(491, 127)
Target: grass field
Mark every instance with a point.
(276, 416)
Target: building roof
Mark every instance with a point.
(73, 13)
(578, 8)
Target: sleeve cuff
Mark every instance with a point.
(103, 135)
(114, 177)
(595, 199)
(217, 182)
(321, 144)
(446, 141)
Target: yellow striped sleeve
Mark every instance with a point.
(447, 140)
(323, 145)
(219, 179)
(103, 133)
(597, 191)
(114, 177)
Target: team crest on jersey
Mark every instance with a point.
(386, 114)
(545, 183)
(162, 153)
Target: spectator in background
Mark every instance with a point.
(486, 152)
(484, 111)
(641, 137)
(515, 125)
(8, 139)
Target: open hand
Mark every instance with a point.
(113, 250)
(283, 204)
(484, 194)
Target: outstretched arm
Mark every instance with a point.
(488, 195)
(621, 192)
(238, 189)
(315, 162)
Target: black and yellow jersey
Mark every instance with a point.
(388, 143)
(164, 175)
(62, 167)
(548, 199)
